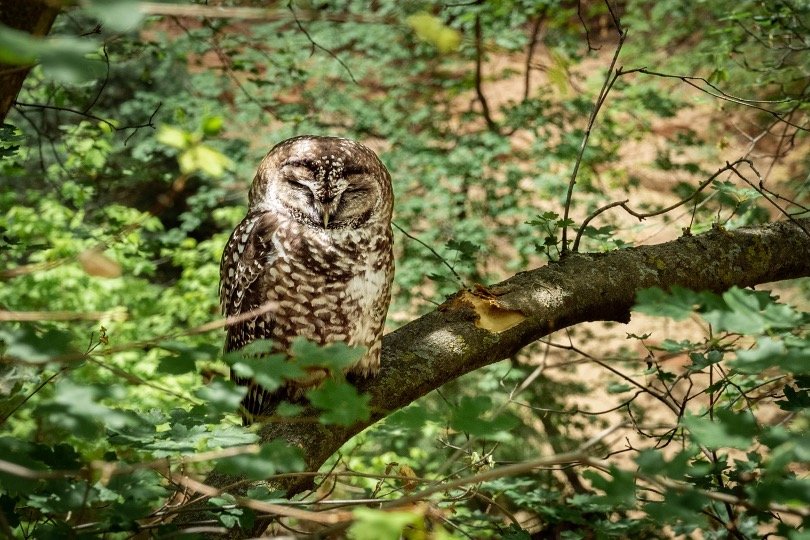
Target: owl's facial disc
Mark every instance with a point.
(328, 195)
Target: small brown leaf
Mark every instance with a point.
(95, 263)
(408, 485)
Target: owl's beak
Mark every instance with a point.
(325, 218)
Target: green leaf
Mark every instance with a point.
(221, 396)
(728, 429)
(618, 388)
(372, 524)
(335, 356)
(19, 452)
(63, 58)
(677, 506)
(174, 137)
(136, 495)
(435, 32)
(212, 125)
(272, 458)
(30, 345)
(468, 417)
(76, 409)
(269, 371)
(177, 365)
(701, 361)
(412, 417)
(466, 249)
(752, 312)
(117, 15)
(341, 403)
(203, 158)
(260, 361)
(183, 361)
(796, 399)
(678, 304)
(652, 462)
(619, 487)
(770, 353)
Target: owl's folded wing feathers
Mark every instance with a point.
(249, 251)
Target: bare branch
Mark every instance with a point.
(610, 79)
(30, 316)
(479, 92)
(714, 91)
(246, 13)
(642, 216)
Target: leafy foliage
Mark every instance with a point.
(127, 158)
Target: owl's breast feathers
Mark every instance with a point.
(325, 285)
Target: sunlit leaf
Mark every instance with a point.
(434, 31)
(174, 137)
(370, 524)
(772, 353)
(96, 263)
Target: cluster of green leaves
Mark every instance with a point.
(127, 160)
(749, 440)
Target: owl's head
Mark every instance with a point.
(324, 182)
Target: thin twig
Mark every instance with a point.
(479, 92)
(641, 216)
(327, 517)
(720, 94)
(434, 252)
(585, 27)
(85, 114)
(610, 79)
(533, 39)
(765, 196)
(291, 7)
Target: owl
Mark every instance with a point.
(315, 249)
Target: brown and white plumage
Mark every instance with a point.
(317, 245)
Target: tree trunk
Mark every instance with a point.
(33, 17)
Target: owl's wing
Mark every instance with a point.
(249, 251)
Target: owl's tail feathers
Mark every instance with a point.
(258, 402)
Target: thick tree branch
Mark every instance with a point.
(476, 328)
